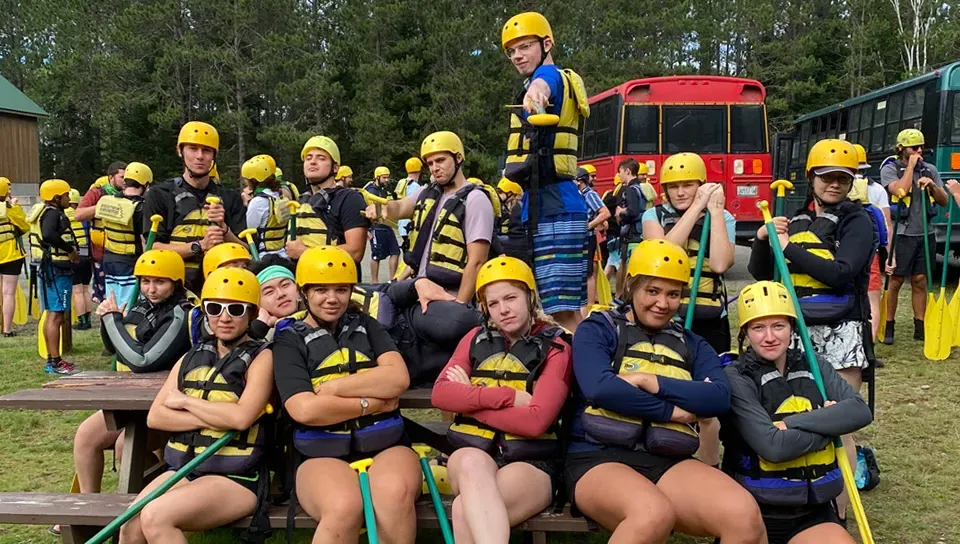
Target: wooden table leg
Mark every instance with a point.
(132, 464)
(77, 534)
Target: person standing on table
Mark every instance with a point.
(452, 224)
(267, 210)
(560, 222)
(191, 225)
(507, 382)
(60, 254)
(828, 245)
(13, 225)
(780, 430)
(383, 241)
(643, 383)
(340, 378)
(906, 172)
(122, 219)
(329, 214)
(111, 184)
(596, 223)
(219, 386)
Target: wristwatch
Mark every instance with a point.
(364, 404)
(195, 248)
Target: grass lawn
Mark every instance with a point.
(917, 426)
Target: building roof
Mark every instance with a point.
(14, 101)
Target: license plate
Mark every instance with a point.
(746, 190)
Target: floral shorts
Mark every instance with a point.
(840, 345)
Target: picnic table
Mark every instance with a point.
(125, 399)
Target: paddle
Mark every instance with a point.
(695, 287)
(445, 528)
(882, 328)
(848, 481)
(370, 519)
(247, 235)
(292, 228)
(938, 331)
(926, 256)
(781, 186)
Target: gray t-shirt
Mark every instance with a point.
(912, 225)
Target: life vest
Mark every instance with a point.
(400, 191)
(813, 478)
(448, 252)
(331, 357)
(313, 227)
(79, 233)
(205, 375)
(664, 353)
(7, 231)
(820, 304)
(373, 303)
(33, 219)
(712, 294)
(294, 191)
(574, 108)
(921, 169)
(193, 222)
(519, 367)
(55, 254)
(271, 237)
(117, 214)
(141, 321)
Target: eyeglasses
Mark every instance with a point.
(521, 48)
(235, 309)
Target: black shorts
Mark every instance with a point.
(715, 331)
(550, 466)
(83, 272)
(910, 257)
(784, 523)
(248, 481)
(591, 248)
(383, 244)
(12, 268)
(650, 466)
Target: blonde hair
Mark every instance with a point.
(534, 308)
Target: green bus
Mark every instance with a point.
(930, 102)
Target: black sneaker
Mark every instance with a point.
(918, 329)
(888, 335)
(10, 334)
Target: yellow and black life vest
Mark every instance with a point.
(205, 375)
(374, 303)
(8, 231)
(79, 232)
(116, 214)
(494, 365)
(33, 219)
(191, 217)
(55, 254)
(573, 110)
(664, 354)
(448, 252)
(313, 218)
(400, 191)
(813, 478)
(821, 304)
(712, 293)
(292, 189)
(330, 357)
(272, 236)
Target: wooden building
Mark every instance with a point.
(19, 136)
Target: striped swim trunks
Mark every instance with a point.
(560, 261)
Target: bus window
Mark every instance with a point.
(804, 139)
(893, 109)
(854, 124)
(866, 114)
(831, 120)
(843, 128)
(641, 129)
(600, 130)
(913, 103)
(747, 133)
(697, 129)
(955, 119)
(879, 116)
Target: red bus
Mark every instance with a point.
(724, 119)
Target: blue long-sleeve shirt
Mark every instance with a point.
(594, 347)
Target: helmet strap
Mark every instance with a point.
(543, 53)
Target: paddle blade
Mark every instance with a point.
(35, 307)
(20, 308)
(41, 340)
(73, 312)
(882, 327)
(604, 294)
(937, 330)
(953, 309)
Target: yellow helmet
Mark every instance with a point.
(591, 169)
(681, 167)
(52, 188)
(278, 172)
(504, 268)
(223, 254)
(74, 196)
(322, 143)
(326, 265)
(270, 160)
(832, 156)
(909, 137)
(257, 169)
(764, 299)
(439, 142)
(344, 171)
(4, 187)
(101, 181)
(214, 173)
(160, 263)
(861, 157)
(231, 284)
(413, 165)
(508, 186)
(141, 173)
(381, 171)
(659, 259)
(525, 25)
(644, 170)
(199, 133)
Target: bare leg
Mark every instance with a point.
(395, 484)
(918, 292)
(340, 513)
(374, 271)
(480, 513)
(894, 287)
(131, 531)
(205, 503)
(709, 451)
(80, 299)
(394, 263)
(853, 377)
(625, 503)
(51, 333)
(823, 533)
(874, 297)
(9, 300)
(91, 441)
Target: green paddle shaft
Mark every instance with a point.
(695, 288)
(437, 503)
(926, 237)
(135, 509)
(368, 515)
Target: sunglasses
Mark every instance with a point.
(235, 309)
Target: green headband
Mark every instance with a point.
(273, 272)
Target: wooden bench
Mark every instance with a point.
(81, 515)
